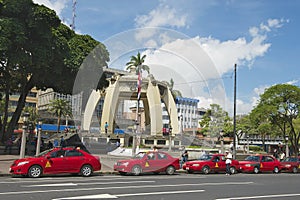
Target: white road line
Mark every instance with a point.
(109, 196)
(124, 187)
(260, 197)
(93, 183)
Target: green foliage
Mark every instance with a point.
(37, 50)
(277, 113)
(60, 107)
(137, 61)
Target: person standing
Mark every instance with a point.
(106, 127)
(228, 161)
(62, 141)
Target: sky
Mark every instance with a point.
(198, 42)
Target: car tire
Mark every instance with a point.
(256, 170)
(276, 170)
(170, 170)
(295, 170)
(35, 171)
(233, 170)
(206, 170)
(136, 170)
(86, 170)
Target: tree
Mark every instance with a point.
(37, 50)
(279, 106)
(60, 107)
(214, 121)
(175, 93)
(137, 62)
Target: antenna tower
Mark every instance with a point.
(73, 14)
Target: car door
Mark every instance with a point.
(56, 162)
(150, 162)
(74, 160)
(267, 163)
(216, 163)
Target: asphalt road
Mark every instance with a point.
(281, 186)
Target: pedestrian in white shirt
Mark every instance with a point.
(228, 161)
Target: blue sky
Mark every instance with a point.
(197, 42)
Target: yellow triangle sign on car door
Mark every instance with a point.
(146, 164)
(217, 165)
(48, 164)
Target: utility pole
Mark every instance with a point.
(73, 14)
(234, 115)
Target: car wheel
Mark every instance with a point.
(136, 170)
(232, 170)
(295, 170)
(276, 170)
(86, 170)
(205, 170)
(35, 171)
(170, 170)
(255, 170)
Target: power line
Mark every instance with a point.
(199, 81)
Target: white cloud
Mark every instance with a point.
(161, 16)
(56, 5)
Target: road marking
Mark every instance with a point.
(260, 197)
(124, 187)
(109, 196)
(93, 183)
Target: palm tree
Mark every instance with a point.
(175, 93)
(60, 107)
(137, 62)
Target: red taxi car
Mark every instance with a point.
(152, 161)
(290, 164)
(260, 163)
(55, 161)
(210, 163)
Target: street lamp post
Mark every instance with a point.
(222, 141)
(247, 144)
(38, 145)
(170, 138)
(23, 141)
(287, 146)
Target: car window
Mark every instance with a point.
(252, 158)
(267, 159)
(56, 154)
(73, 153)
(139, 155)
(161, 156)
(223, 158)
(151, 156)
(205, 157)
(216, 159)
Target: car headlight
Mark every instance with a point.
(196, 165)
(22, 163)
(125, 164)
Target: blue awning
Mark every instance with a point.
(119, 131)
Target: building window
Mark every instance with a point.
(161, 142)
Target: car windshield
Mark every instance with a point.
(139, 155)
(252, 158)
(290, 159)
(205, 157)
(44, 153)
